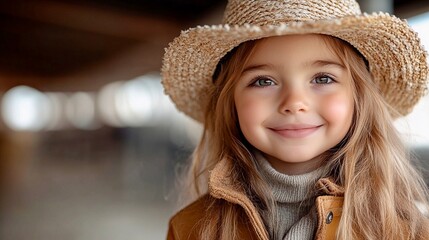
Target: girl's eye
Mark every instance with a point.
(323, 79)
(263, 82)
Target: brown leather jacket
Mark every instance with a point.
(183, 225)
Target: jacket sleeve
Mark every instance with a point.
(171, 234)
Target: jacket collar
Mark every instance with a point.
(221, 186)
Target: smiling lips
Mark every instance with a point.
(296, 130)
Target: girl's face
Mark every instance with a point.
(294, 101)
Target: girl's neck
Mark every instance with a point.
(289, 188)
(294, 168)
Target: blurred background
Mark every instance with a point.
(89, 145)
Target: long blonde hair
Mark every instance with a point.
(372, 163)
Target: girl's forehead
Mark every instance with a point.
(303, 48)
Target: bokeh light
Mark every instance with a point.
(26, 109)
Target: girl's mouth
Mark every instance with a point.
(296, 130)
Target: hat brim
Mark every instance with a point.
(396, 58)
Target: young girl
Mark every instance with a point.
(297, 99)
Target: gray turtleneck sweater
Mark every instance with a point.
(295, 198)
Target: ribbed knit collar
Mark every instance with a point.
(289, 188)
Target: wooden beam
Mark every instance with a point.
(93, 19)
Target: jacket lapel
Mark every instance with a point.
(222, 187)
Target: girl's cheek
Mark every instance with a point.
(339, 107)
(251, 109)
(248, 108)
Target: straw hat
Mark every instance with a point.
(396, 58)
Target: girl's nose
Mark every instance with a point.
(294, 102)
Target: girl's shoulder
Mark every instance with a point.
(187, 223)
(194, 210)
(190, 222)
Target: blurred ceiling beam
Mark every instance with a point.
(409, 8)
(106, 21)
(71, 46)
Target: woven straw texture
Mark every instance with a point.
(393, 50)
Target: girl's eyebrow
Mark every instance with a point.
(324, 63)
(256, 66)
(316, 63)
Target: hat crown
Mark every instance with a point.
(271, 12)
